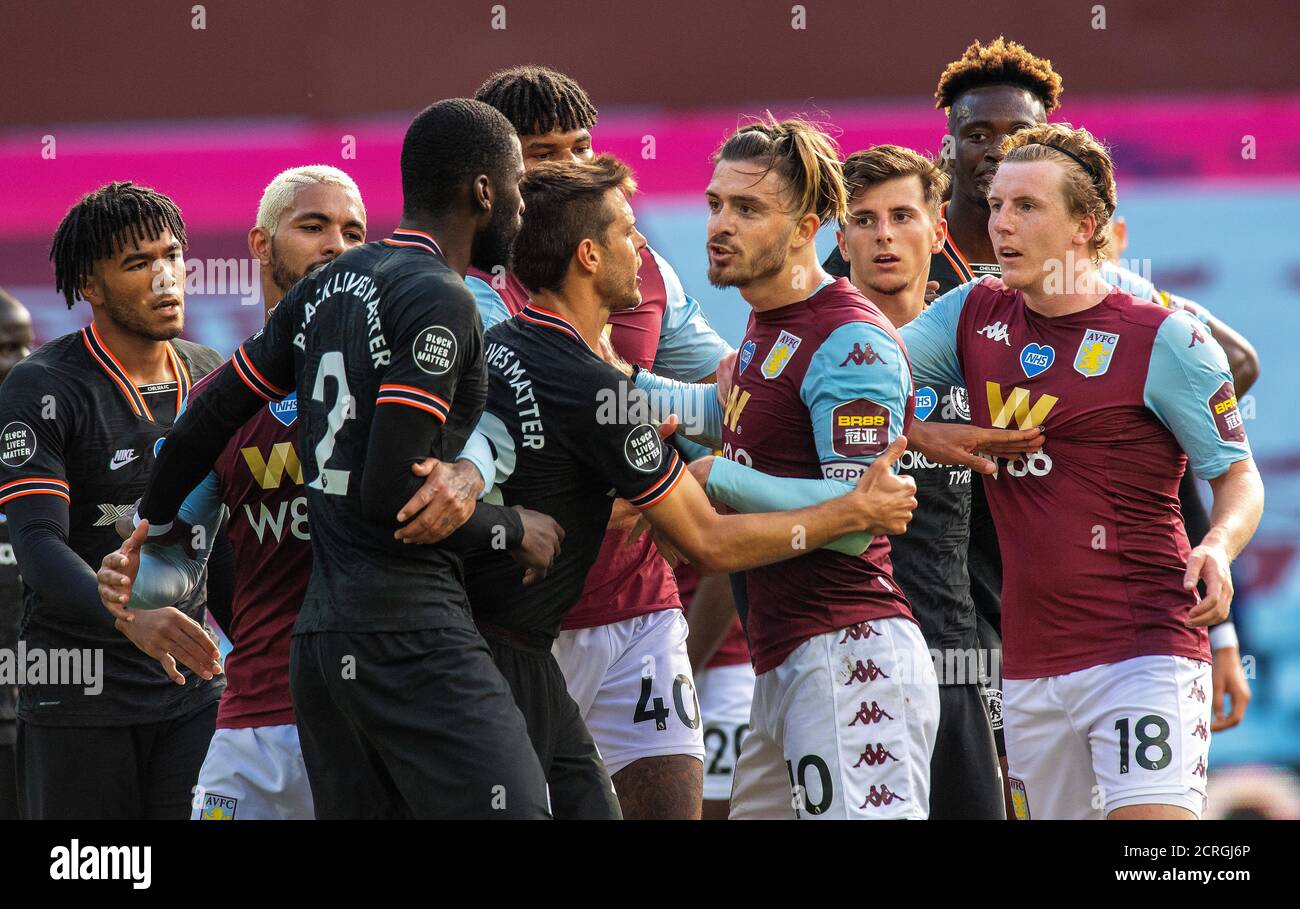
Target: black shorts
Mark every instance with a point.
(579, 783)
(146, 771)
(990, 641)
(965, 780)
(411, 724)
(8, 771)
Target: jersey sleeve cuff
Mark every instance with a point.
(414, 397)
(664, 485)
(32, 486)
(1223, 635)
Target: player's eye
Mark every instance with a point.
(311, 227)
(713, 205)
(994, 206)
(356, 238)
(746, 210)
(864, 222)
(902, 216)
(1026, 206)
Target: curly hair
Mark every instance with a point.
(1000, 62)
(538, 99)
(1089, 172)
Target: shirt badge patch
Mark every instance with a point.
(1019, 798)
(1096, 350)
(218, 807)
(1227, 417)
(434, 350)
(642, 448)
(18, 445)
(285, 411)
(859, 429)
(1036, 358)
(926, 401)
(780, 354)
(746, 354)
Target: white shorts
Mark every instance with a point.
(632, 682)
(726, 696)
(1136, 732)
(843, 729)
(253, 774)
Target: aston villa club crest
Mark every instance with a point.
(1096, 350)
(780, 354)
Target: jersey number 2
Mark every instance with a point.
(332, 481)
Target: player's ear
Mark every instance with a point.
(90, 289)
(1087, 228)
(587, 255)
(805, 230)
(839, 242)
(259, 246)
(940, 235)
(482, 193)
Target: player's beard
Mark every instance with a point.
(620, 291)
(129, 317)
(767, 262)
(281, 275)
(494, 245)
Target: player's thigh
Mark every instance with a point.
(726, 696)
(435, 707)
(255, 773)
(1049, 764)
(965, 782)
(859, 715)
(345, 774)
(57, 780)
(760, 786)
(1149, 729)
(173, 761)
(647, 705)
(584, 656)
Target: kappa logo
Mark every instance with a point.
(997, 331)
(218, 807)
(859, 632)
(871, 757)
(1197, 337)
(867, 715)
(123, 457)
(1017, 405)
(1199, 769)
(880, 796)
(780, 354)
(1201, 732)
(1096, 350)
(1036, 358)
(860, 356)
(746, 355)
(1019, 798)
(110, 514)
(867, 673)
(1196, 692)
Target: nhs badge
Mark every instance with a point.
(1096, 350)
(746, 354)
(780, 354)
(1035, 358)
(285, 411)
(926, 401)
(157, 446)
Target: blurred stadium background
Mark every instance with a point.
(1200, 103)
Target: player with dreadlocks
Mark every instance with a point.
(83, 419)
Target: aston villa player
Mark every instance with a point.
(846, 704)
(401, 712)
(1107, 673)
(83, 419)
(254, 769)
(568, 428)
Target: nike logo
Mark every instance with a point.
(123, 457)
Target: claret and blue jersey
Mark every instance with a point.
(1093, 541)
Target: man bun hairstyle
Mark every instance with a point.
(803, 154)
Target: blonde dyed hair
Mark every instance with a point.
(279, 195)
(1090, 189)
